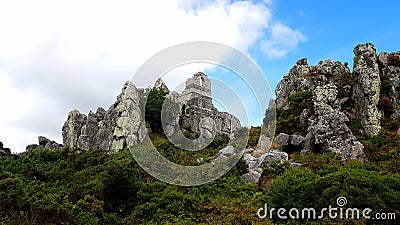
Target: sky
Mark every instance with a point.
(56, 56)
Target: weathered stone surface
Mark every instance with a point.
(282, 139)
(296, 165)
(291, 83)
(264, 143)
(196, 104)
(72, 128)
(227, 151)
(309, 142)
(366, 87)
(269, 159)
(122, 126)
(285, 141)
(325, 100)
(304, 116)
(332, 133)
(296, 140)
(44, 143)
(390, 67)
(273, 157)
(160, 84)
(207, 128)
(4, 151)
(334, 97)
(128, 130)
(117, 128)
(253, 176)
(303, 77)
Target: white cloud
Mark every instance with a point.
(282, 40)
(60, 55)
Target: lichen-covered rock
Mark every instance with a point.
(336, 93)
(254, 164)
(44, 143)
(207, 128)
(115, 129)
(286, 142)
(332, 133)
(390, 67)
(4, 151)
(292, 83)
(325, 99)
(128, 130)
(252, 176)
(196, 104)
(366, 89)
(72, 128)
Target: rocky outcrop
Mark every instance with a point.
(331, 86)
(262, 157)
(256, 163)
(302, 77)
(117, 128)
(366, 88)
(44, 143)
(390, 81)
(122, 126)
(199, 112)
(4, 151)
(371, 91)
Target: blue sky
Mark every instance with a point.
(56, 56)
(333, 29)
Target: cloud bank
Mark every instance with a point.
(59, 55)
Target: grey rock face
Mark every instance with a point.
(269, 159)
(122, 126)
(325, 100)
(291, 83)
(207, 128)
(117, 128)
(253, 176)
(335, 136)
(333, 92)
(196, 104)
(4, 151)
(304, 116)
(366, 87)
(72, 128)
(227, 151)
(282, 139)
(264, 143)
(128, 130)
(303, 77)
(274, 156)
(44, 143)
(390, 67)
(286, 141)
